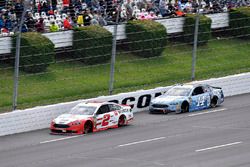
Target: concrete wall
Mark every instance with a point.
(40, 117)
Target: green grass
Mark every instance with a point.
(67, 81)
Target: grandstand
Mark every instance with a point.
(67, 14)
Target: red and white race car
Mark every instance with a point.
(89, 117)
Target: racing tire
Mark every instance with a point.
(88, 128)
(184, 107)
(214, 101)
(122, 121)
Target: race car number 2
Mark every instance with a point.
(105, 121)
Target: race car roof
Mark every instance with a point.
(90, 104)
(185, 86)
(189, 85)
(93, 103)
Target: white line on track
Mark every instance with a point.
(219, 146)
(142, 141)
(60, 139)
(207, 112)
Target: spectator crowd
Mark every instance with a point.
(55, 15)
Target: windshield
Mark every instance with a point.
(177, 91)
(83, 110)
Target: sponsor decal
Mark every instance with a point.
(141, 102)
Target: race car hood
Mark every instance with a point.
(167, 99)
(68, 118)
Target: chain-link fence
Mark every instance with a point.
(144, 62)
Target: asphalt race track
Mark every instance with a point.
(219, 137)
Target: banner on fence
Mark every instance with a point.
(219, 20)
(173, 25)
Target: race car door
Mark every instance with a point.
(114, 111)
(200, 99)
(103, 117)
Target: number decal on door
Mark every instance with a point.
(201, 101)
(105, 121)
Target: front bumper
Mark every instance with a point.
(169, 109)
(160, 110)
(69, 130)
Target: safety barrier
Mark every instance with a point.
(41, 116)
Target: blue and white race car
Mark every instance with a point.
(187, 98)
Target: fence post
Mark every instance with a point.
(112, 66)
(17, 56)
(196, 31)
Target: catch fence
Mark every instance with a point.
(68, 78)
